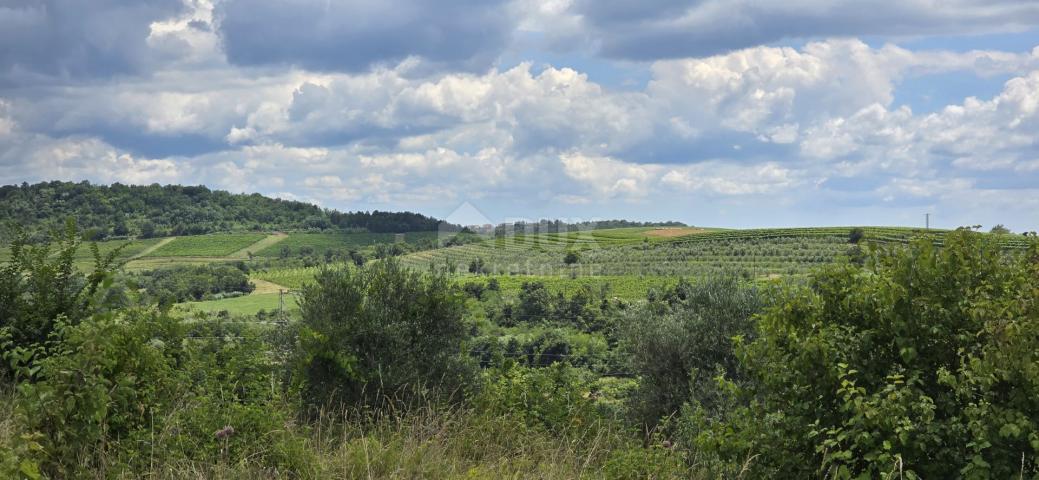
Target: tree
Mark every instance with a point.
(535, 302)
(147, 229)
(678, 343)
(1000, 229)
(570, 258)
(856, 235)
(380, 330)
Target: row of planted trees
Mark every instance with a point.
(919, 362)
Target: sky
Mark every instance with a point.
(729, 113)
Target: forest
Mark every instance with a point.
(146, 211)
(913, 359)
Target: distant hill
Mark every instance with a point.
(161, 210)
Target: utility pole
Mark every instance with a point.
(927, 221)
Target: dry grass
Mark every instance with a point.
(432, 443)
(671, 232)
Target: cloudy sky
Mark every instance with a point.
(713, 112)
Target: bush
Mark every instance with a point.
(924, 362)
(679, 343)
(555, 398)
(856, 235)
(102, 380)
(40, 287)
(118, 392)
(381, 330)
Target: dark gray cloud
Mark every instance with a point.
(353, 35)
(658, 29)
(76, 38)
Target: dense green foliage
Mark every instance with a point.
(920, 364)
(151, 210)
(155, 211)
(380, 331)
(682, 339)
(40, 288)
(912, 359)
(186, 283)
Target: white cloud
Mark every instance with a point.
(724, 179)
(74, 159)
(978, 134)
(770, 91)
(609, 177)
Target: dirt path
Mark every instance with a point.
(262, 244)
(153, 248)
(263, 286)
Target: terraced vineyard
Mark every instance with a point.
(320, 242)
(216, 245)
(755, 252)
(625, 287)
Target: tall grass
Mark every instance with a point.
(426, 440)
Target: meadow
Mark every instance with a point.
(245, 305)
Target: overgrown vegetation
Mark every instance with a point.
(184, 283)
(917, 360)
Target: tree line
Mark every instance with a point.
(118, 210)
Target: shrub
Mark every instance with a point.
(555, 398)
(924, 362)
(118, 392)
(40, 287)
(679, 343)
(856, 235)
(102, 379)
(184, 283)
(477, 266)
(381, 330)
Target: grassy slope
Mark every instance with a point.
(247, 305)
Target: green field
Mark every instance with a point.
(216, 245)
(320, 242)
(246, 305)
(287, 277)
(84, 255)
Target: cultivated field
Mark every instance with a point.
(216, 245)
(320, 242)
